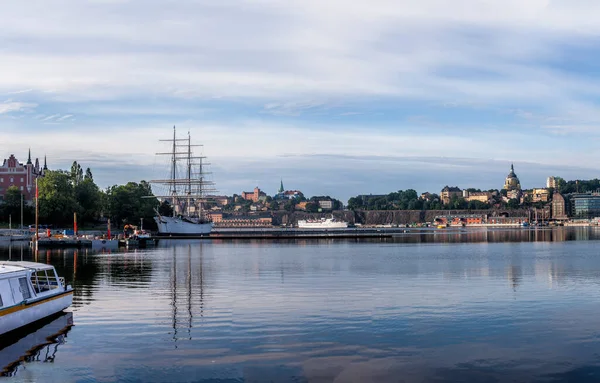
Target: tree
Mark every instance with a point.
(165, 209)
(57, 201)
(312, 207)
(274, 205)
(12, 206)
(129, 203)
(512, 203)
(88, 197)
(88, 175)
(76, 173)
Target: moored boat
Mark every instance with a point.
(323, 223)
(186, 195)
(29, 292)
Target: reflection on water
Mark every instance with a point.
(477, 306)
(36, 343)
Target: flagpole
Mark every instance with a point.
(37, 211)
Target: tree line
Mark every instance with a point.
(62, 193)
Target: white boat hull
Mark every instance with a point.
(317, 225)
(176, 226)
(21, 315)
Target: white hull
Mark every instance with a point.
(11, 355)
(176, 226)
(323, 224)
(27, 314)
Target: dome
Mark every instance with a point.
(512, 181)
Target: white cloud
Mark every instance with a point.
(13, 106)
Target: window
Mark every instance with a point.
(1, 304)
(12, 179)
(24, 287)
(21, 188)
(1, 179)
(21, 179)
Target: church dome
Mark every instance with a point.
(512, 181)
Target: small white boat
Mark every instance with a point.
(29, 292)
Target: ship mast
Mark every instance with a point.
(192, 186)
(173, 186)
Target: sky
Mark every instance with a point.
(333, 97)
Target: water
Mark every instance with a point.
(483, 306)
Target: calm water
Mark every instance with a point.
(486, 306)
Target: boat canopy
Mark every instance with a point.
(10, 266)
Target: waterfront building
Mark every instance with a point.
(551, 183)
(584, 206)
(460, 219)
(450, 192)
(559, 207)
(229, 220)
(23, 176)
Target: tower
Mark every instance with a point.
(281, 189)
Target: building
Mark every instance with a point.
(286, 194)
(254, 196)
(226, 220)
(461, 219)
(559, 207)
(484, 197)
(220, 200)
(23, 176)
(551, 182)
(540, 195)
(584, 206)
(512, 181)
(449, 192)
(326, 204)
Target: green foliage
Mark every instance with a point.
(127, 204)
(57, 201)
(76, 173)
(274, 205)
(312, 207)
(11, 206)
(400, 200)
(512, 203)
(165, 209)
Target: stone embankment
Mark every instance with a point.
(388, 217)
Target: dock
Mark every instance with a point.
(58, 243)
(291, 233)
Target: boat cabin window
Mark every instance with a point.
(44, 280)
(24, 288)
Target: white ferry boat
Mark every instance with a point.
(187, 190)
(323, 223)
(29, 292)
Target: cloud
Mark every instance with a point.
(262, 82)
(13, 106)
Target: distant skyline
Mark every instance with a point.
(335, 98)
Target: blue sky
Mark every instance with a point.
(334, 97)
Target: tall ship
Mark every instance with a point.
(187, 188)
(323, 223)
